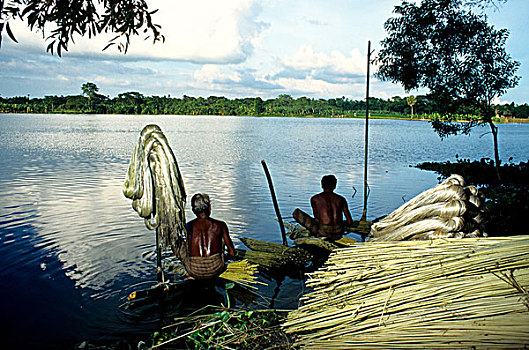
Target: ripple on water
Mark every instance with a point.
(67, 230)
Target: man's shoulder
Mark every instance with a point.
(317, 196)
(218, 222)
(336, 198)
(339, 196)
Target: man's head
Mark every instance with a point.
(328, 182)
(200, 203)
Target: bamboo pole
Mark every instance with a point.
(364, 211)
(274, 200)
(159, 269)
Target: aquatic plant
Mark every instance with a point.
(224, 329)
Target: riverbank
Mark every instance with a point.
(497, 120)
(135, 103)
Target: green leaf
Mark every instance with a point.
(224, 316)
(10, 33)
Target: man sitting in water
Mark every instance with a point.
(328, 209)
(206, 239)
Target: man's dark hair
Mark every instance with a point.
(328, 182)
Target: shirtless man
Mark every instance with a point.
(328, 209)
(207, 238)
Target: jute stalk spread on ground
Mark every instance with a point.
(451, 293)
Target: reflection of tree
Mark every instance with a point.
(443, 46)
(124, 18)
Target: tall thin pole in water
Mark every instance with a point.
(274, 200)
(364, 212)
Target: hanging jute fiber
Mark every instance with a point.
(440, 294)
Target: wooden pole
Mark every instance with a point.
(274, 200)
(364, 211)
(159, 269)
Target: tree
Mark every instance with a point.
(441, 45)
(258, 106)
(411, 102)
(90, 90)
(59, 20)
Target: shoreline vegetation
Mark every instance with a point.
(134, 103)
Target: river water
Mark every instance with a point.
(72, 248)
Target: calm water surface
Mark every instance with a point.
(71, 247)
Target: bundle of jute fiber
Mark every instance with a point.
(447, 210)
(440, 294)
(265, 260)
(156, 187)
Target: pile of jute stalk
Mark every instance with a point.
(271, 255)
(243, 273)
(450, 293)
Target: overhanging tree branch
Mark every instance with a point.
(441, 45)
(60, 20)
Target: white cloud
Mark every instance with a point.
(314, 87)
(307, 59)
(498, 101)
(308, 72)
(110, 81)
(213, 73)
(201, 31)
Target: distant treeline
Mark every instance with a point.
(283, 105)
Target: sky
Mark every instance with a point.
(237, 48)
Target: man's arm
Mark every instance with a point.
(228, 242)
(348, 217)
(314, 205)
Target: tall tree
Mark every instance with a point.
(411, 102)
(441, 45)
(59, 20)
(90, 90)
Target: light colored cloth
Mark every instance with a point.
(202, 267)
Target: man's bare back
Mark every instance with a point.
(329, 208)
(207, 236)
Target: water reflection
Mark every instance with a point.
(71, 247)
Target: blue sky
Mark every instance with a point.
(237, 48)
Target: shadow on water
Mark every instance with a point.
(29, 289)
